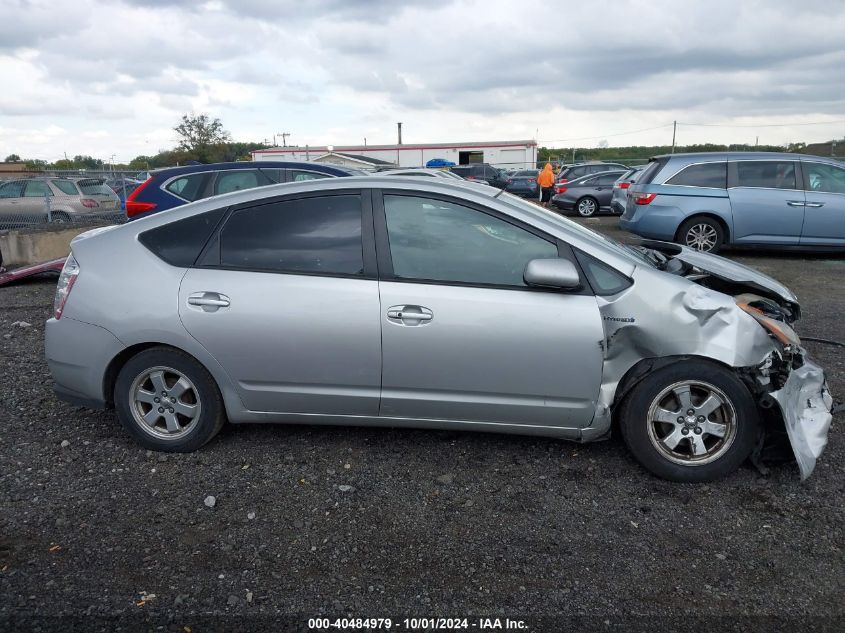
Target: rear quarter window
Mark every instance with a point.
(712, 175)
(179, 243)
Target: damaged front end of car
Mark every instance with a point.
(693, 305)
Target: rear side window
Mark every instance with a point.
(768, 174)
(308, 235)
(179, 243)
(65, 186)
(94, 188)
(607, 179)
(576, 172)
(188, 187)
(297, 175)
(238, 180)
(713, 175)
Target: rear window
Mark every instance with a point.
(65, 186)
(527, 172)
(713, 175)
(654, 166)
(94, 188)
(179, 243)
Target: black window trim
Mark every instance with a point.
(733, 172)
(385, 262)
(209, 257)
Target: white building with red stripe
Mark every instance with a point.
(503, 154)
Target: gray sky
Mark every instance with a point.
(104, 78)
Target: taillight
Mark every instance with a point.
(66, 280)
(510, 180)
(133, 207)
(644, 198)
(624, 185)
(89, 204)
(561, 188)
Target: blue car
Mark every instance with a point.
(710, 200)
(175, 186)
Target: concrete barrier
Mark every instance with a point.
(23, 248)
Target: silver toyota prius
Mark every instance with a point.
(389, 301)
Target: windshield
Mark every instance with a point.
(583, 231)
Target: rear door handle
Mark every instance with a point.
(796, 203)
(814, 205)
(209, 301)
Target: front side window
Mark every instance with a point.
(442, 241)
(188, 187)
(769, 174)
(307, 235)
(825, 178)
(713, 175)
(37, 189)
(13, 189)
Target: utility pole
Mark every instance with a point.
(284, 136)
(674, 130)
(832, 148)
(756, 141)
(399, 128)
(365, 141)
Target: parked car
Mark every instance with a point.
(42, 199)
(524, 183)
(175, 186)
(414, 302)
(620, 189)
(571, 172)
(587, 195)
(482, 172)
(710, 200)
(422, 172)
(122, 187)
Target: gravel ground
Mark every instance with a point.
(396, 523)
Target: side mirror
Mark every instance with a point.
(552, 273)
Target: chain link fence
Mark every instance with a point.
(65, 197)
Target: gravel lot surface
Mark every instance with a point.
(387, 523)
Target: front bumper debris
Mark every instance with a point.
(806, 405)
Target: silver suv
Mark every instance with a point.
(45, 199)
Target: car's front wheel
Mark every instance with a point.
(168, 401)
(691, 421)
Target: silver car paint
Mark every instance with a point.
(660, 315)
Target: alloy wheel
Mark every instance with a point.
(692, 423)
(701, 237)
(164, 402)
(587, 207)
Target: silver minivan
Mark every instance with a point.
(414, 302)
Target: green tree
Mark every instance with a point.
(200, 135)
(13, 158)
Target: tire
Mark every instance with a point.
(189, 416)
(702, 234)
(711, 442)
(59, 218)
(587, 207)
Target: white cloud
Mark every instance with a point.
(117, 76)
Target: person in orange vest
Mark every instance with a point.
(546, 180)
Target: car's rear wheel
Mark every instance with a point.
(59, 217)
(587, 207)
(691, 421)
(168, 401)
(702, 233)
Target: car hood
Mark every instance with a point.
(728, 270)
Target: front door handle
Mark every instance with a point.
(209, 301)
(410, 314)
(814, 205)
(795, 203)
